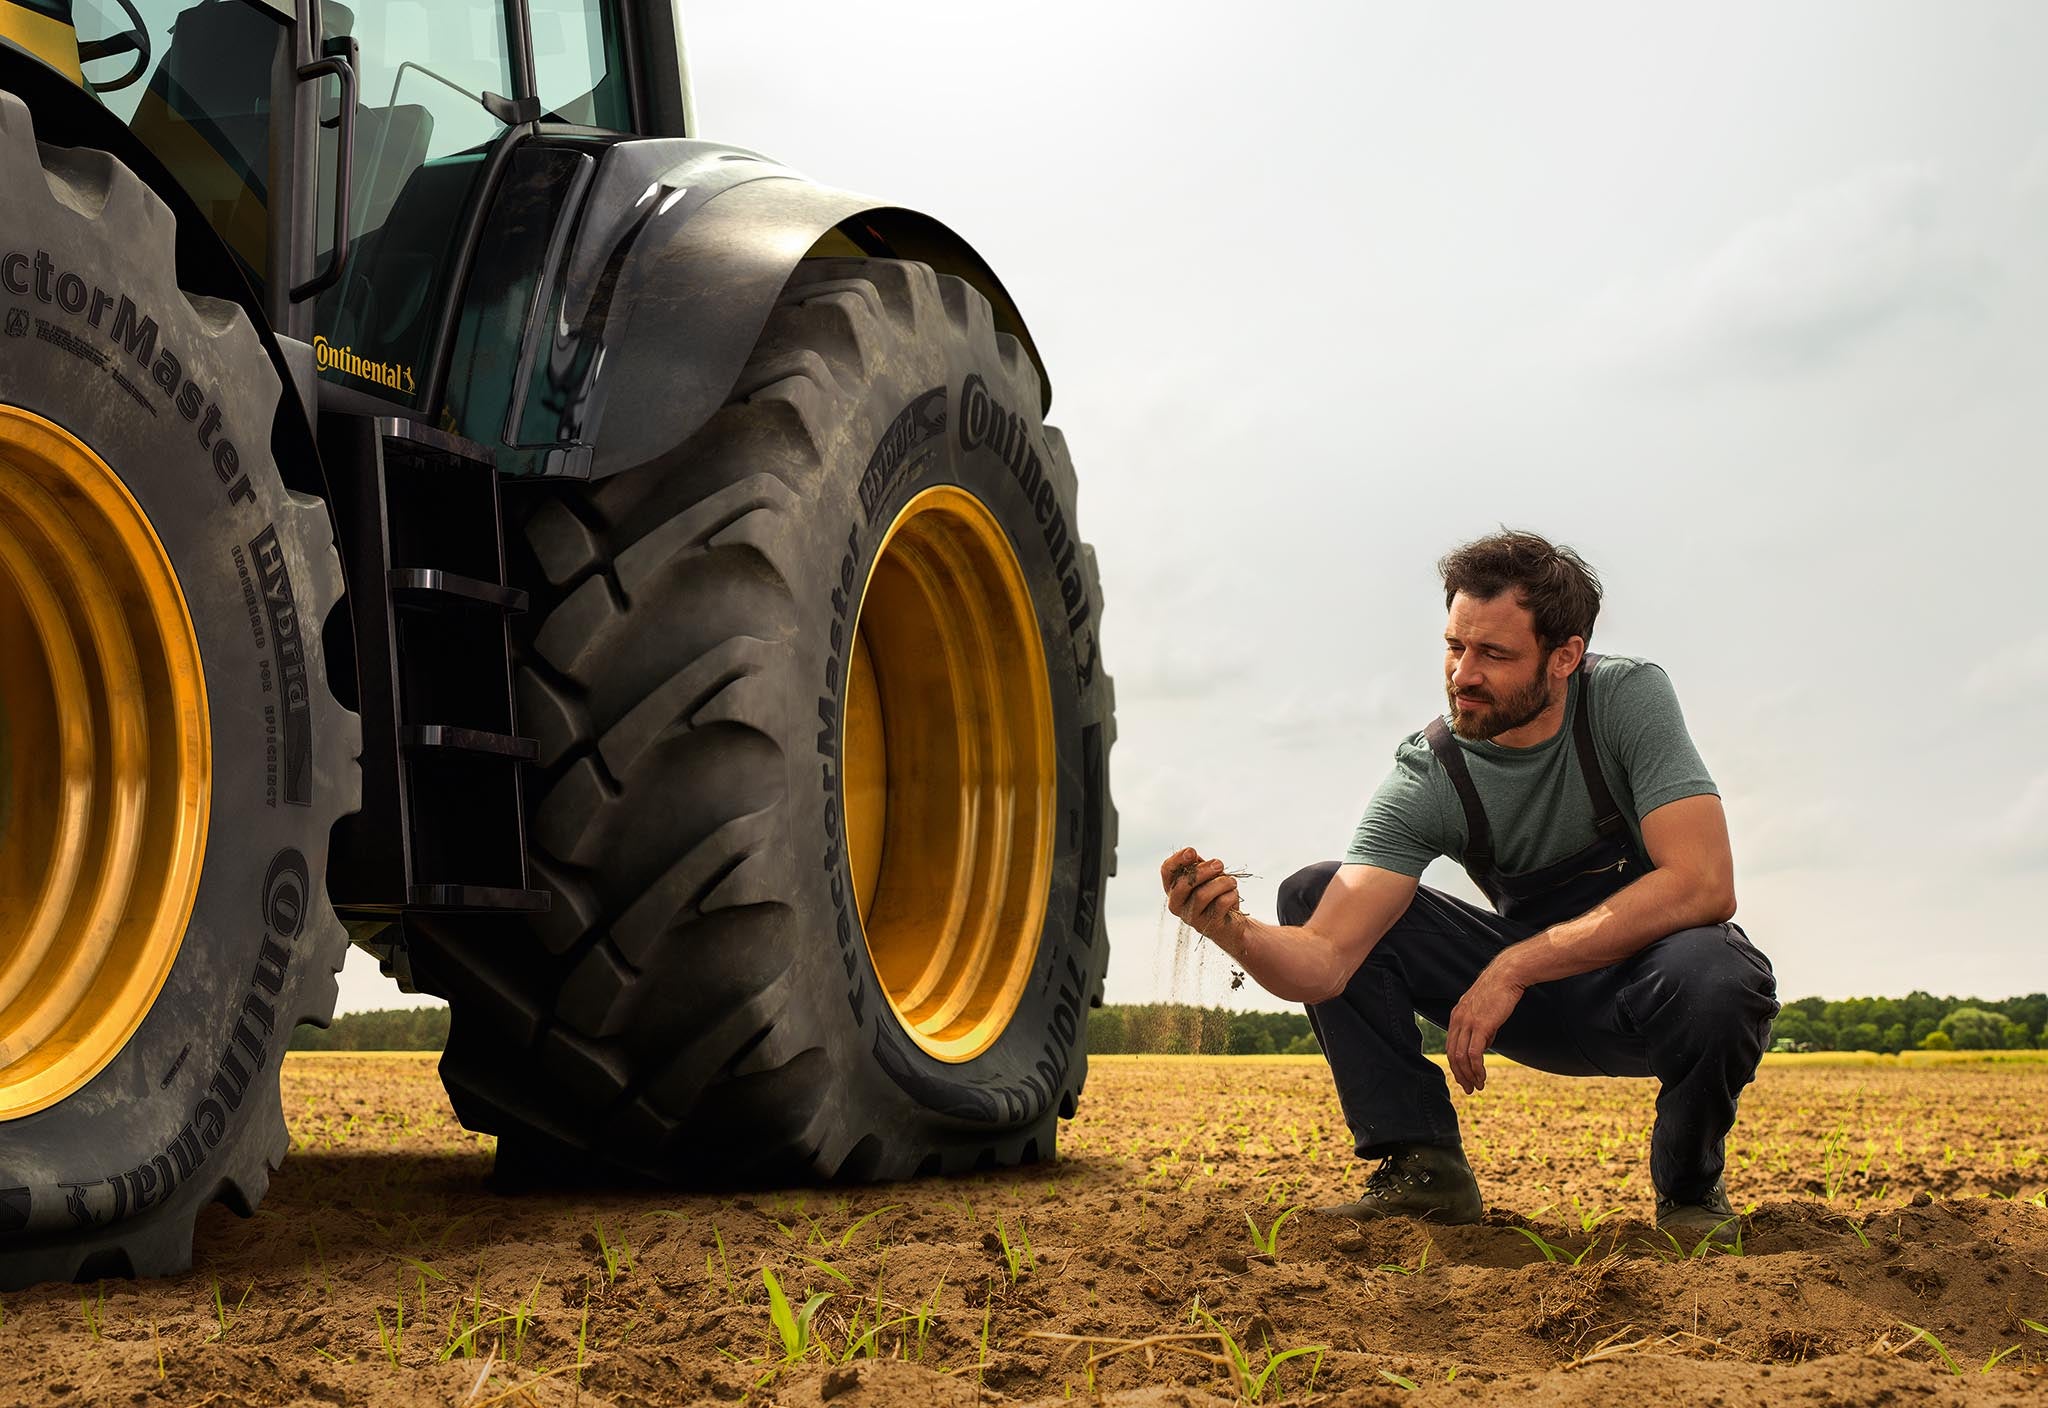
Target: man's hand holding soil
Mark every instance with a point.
(1202, 894)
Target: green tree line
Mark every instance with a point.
(1917, 1021)
(400, 1029)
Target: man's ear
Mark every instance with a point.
(1566, 657)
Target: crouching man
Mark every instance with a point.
(1566, 785)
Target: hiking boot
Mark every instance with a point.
(1427, 1181)
(1708, 1216)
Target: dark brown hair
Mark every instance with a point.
(1552, 582)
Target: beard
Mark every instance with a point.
(1494, 716)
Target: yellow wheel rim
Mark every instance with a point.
(950, 779)
(105, 759)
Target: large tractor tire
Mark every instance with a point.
(822, 794)
(170, 758)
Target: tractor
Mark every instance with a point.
(449, 507)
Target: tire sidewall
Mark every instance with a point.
(950, 409)
(183, 414)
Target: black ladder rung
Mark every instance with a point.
(467, 740)
(431, 583)
(477, 897)
(410, 439)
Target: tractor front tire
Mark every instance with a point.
(823, 795)
(171, 761)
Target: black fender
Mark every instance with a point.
(654, 302)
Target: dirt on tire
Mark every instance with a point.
(1894, 1245)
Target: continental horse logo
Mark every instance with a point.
(393, 376)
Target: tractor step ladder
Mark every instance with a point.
(442, 825)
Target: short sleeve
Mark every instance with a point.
(1646, 732)
(1403, 826)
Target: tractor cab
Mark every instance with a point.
(252, 106)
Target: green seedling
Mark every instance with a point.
(1557, 1254)
(846, 1237)
(2036, 1326)
(1949, 1359)
(1589, 1220)
(95, 1312)
(1017, 1255)
(921, 1319)
(793, 1326)
(462, 1338)
(1251, 1387)
(522, 1318)
(1395, 1379)
(583, 1336)
(721, 1266)
(393, 1340)
(158, 1345)
(617, 1259)
(1268, 1241)
(1707, 1245)
(981, 1359)
(830, 1270)
(1850, 1223)
(1402, 1268)
(222, 1315)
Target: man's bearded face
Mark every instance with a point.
(1485, 713)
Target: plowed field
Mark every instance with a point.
(1895, 1247)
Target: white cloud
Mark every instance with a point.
(1803, 286)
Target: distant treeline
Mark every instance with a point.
(1917, 1021)
(400, 1029)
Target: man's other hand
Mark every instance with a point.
(1475, 1021)
(1200, 894)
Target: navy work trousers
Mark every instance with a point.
(1693, 1009)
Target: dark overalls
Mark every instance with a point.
(1693, 1008)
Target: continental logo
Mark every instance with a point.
(987, 424)
(392, 376)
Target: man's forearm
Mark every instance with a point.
(1662, 902)
(1293, 964)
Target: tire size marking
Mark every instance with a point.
(136, 335)
(920, 422)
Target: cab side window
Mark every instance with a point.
(579, 63)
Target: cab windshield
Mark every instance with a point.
(203, 84)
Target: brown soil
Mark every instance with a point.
(1873, 1211)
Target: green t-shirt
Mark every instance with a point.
(1534, 798)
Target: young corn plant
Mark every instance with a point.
(1017, 1254)
(792, 1326)
(1949, 1359)
(846, 1237)
(616, 1257)
(223, 1317)
(1555, 1254)
(1268, 1241)
(1251, 1384)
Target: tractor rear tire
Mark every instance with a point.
(827, 840)
(171, 761)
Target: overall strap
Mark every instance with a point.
(1478, 835)
(1607, 818)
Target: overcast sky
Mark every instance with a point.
(1749, 304)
